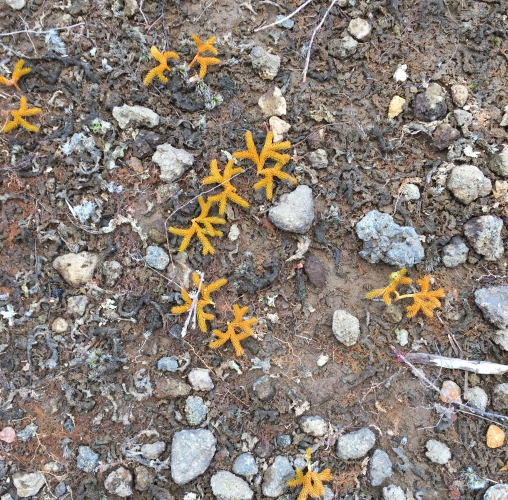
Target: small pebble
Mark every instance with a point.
(459, 94)
(278, 127)
(437, 452)
(200, 380)
(400, 74)
(167, 364)
(450, 390)
(157, 258)
(60, 325)
(288, 23)
(322, 360)
(495, 436)
(359, 28)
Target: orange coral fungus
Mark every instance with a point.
(397, 278)
(203, 61)
(17, 117)
(269, 174)
(18, 72)
(158, 71)
(311, 481)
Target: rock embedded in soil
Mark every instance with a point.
(294, 211)
(195, 410)
(318, 159)
(380, 467)
(396, 106)
(460, 93)
(28, 484)
(476, 397)
(227, 486)
(384, 240)
(200, 380)
(245, 465)
(263, 388)
(191, 454)
(499, 163)
(15, 4)
(267, 65)
(171, 387)
(497, 492)
(467, 183)
(173, 162)
(484, 234)
(60, 325)
(152, 451)
(500, 396)
(314, 425)
(119, 482)
(463, 118)
(76, 268)
(143, 478)
(359, 28)
(500, 337)
(167, 364)
(495, 436)
(112, 271)
(393, 492)
(278, 127)
(145, 143)
(157, 258)
(450, 390)
(315, 271)
(437, 452)
(493, 302)
(444, 136)
(342, 48)
(345, 327)
(316, 138)
(60, 490)
(135, 116)
(431, 104)
(76, 305)
(356, 444)
(410, 192)
(455, 253)
(272, 102)
(283, 440)
(87, 460)
(400, 74)
(276, 477)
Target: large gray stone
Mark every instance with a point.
(295, 211)
(467, 183)
(28, 483)
(172, 161)
(384, 240)
(380, 467)
(493, 302)
(191, 454)
(76, 268)
(227, 486)
(355, 444)
(267, 65)
(496, 492)
(484, 234)
(499, 163)
(345, 327)
(276, 477)
(135, 116)
(455, 253)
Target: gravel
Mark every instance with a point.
(455, 253)
(437, 452)
(493, 302)
(119, 482)
(499, 163)
(476, 397)
(263, 388)
(157, 258)
(245, 465)
(356, 444)
(342, 48)
(171, 387)
(76, 268)
(227, 486)
(359, 28)
(500, 337)
(345, 327)
(318, 159)
(380, 467)
(153, 451)
(195, 410)
(167, 364)
(200, 380)
(276, 477)
(430, 105)
(76, 305)
(144, 477)
(135, 116)
(500, 396)
(272, 102)
(484, 234)
(392, 492)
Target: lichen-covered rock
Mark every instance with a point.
(76, 268)
(467, 183)
(384, 240)
(484, 234)
(493, 302)
(345, 327)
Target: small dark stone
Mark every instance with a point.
(444, 135)
(158, 231)
(315, 271)
(60, 489)
(57, 293)
(79, 7)
(263, 449)
(146, 143)
(430, 105)
(283, 440)
(263, 388)
(112, 100)
(69, 425)
(316, 138)
(175, 332)
(153, 320)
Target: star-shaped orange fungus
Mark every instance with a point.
(312, 482)
(17, 117)
(18, 72)
(397, 278)
(158, 71)
(203, 61)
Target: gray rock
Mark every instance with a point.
(430, 105)
(314, 425)
(200, 379)
(267, 65)
(153, 451)
(380, 468)
(16, 4)
(28, 483)
(272, 102)
(167, 364)
(76, 268)
(342, 47)
(410, 192)
(276, 477)
(359, 28)
(467, 183)
(87, 460)
(493, 302)
(496, 492)
(355, 444)
(444, 136)
(263, 388)
(287, 23)
(392, 492)
(143, 477)
(437, 452)
(191, 454)
(172, 162)
(283, 440)
(60, 489)
(119, 482)
(76, 305)
(500, 337)
(499, 163)
(112, 271)
(157, 258)
(476, 397)
(384, 240)
(135, 116)
(245, 465)
(7, 496)
(455, 253)
(500, 396)
(171, 387)
(463, 118)
(484, 234)
(27, 433)
(318, 159)
(295, 211)
(227, 486)
(345, 327)
(195, 410)
(459, 94)
(329, 494)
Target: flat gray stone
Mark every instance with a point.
(119, 482)
(152, 451)
(191, 454)
(314, 425)
(227, 486)
(276, 477)
(484, 234)
(245, 465)
(267, 65)
(355, 444)
(455, 253)
(345, 327)
(499, 163)
(380, 468)
(135, 116)
(76, 268)
(167, 364)
(28, 483)
(493, 302)
(467, 183)
(157, 258)
(87, 459)
(173, 162)
(295, 211)
(15, 4)
(263, 388)
(437, 452)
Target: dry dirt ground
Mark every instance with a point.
(78, 75)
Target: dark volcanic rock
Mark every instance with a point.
(315, 270)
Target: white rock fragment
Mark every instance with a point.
(119, 482)
(272, 102)
(400, 74)
(437, 452)
(135, 116)
(295, 211)
(359, 28)
(396, 106)
(278, 127)
(60, 325)
(322, 360)
(28, 484)
(76, 268)
(200, 380)
(504, 120)
(345, 327)
(234, 232)
(173, 162)
(410, 192)
(15, 4)
(459, 94)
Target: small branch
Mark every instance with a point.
(39, 32)
(280, 21)
(193, 309)
(318, 27)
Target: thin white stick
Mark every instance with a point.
(193, 308)
(481, 367)
(285, 18)
(318, 27)
(38, 32)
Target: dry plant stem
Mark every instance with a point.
(41, 32)
(318, 27)
(285, 18)
(192, 310)
(481, 367)
(464, 408)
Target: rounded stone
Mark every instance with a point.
(467, 183)
(60, 325)
(495, 436)
(497, 492)
(500, 396)
(410, 192)
(455, 253)
(499, 163)
(356, 444)
(119, 482)
(476, 397)
(157, 258)
(314, 425)
(245, 465)
(359, 28)
(153, 451)
(460, 94)
(345, 327)
(450, 390)
(227, 486)
(393, 492)
(437, 452)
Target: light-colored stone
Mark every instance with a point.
(392, 492)
(345, 327)
(484, 234)
(112, 271)
(227, 486)
(278, 127)
(450, 390)
(400, 74)
(245, 465)
(135, 116)
(476, 397)
(119, 482)
(267, 65)
(77, 304)
(314, 425)
(318, 159)
(410, 192)
(396, 106)
(76, 268)
(500, 337)
(499, 163)
(437, 452)
(173, 162)
(455, 253)
(294, 211)
(359, 28)
(15, 4)
(355, 445)
(272, 102)
(495, 436)
(380, 468)
(28, 483)
(467, 183)
(496, 492)
(157, 258)
(60, 325)
(152, 451)
(459, 94)
(200, 380)
(130, 8)
(276, 477)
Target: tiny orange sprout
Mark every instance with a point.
(397, 278)
(17, 117)
(311, 481)
(204, 62)
(18, 72)
(158, 71)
